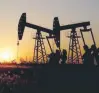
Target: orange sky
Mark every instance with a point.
(42, 13)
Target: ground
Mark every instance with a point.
(49, 79)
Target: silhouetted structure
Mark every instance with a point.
(94, 53)
(57, 56)
(88, 59)
(51, 58)
(98, 56)
(54, 57)
(64, 56)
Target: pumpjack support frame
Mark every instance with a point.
(40, 55)
(74, 54)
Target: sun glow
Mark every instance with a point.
(6, 55)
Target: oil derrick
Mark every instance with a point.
(74, 54)
(39, 49)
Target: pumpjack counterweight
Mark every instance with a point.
(39, 49)
(74, 54)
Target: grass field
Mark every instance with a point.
(48, 79)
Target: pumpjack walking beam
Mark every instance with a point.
(23, 23)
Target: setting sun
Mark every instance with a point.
(6, 55)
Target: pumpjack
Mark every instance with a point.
(39, 49)
(74, 54)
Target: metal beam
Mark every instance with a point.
(73, 26)
(39, 28)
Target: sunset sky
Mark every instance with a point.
(42, 12)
